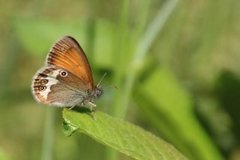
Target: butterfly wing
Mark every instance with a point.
(67, 54)
(52, 88)
(66, 79)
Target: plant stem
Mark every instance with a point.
(48, 136)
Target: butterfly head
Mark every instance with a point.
(89, 100)
(97, 92)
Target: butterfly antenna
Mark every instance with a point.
(102, 79)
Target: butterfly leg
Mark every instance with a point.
(92, 106)
(88, 104)
(71, 108)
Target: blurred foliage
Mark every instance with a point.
(175, 65)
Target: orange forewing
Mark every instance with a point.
(67, 54)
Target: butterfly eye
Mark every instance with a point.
(63, 73)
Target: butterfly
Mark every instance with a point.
(66, 78)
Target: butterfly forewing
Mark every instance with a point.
(67, 53)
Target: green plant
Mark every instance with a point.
(158, 57)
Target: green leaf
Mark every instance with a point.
(121, 135)
(170, 109)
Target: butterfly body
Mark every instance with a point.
(66, 79)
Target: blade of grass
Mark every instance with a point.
(141, 50)
(173, 105)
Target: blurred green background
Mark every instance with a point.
(175, 65)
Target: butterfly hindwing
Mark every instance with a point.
(55, 86)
